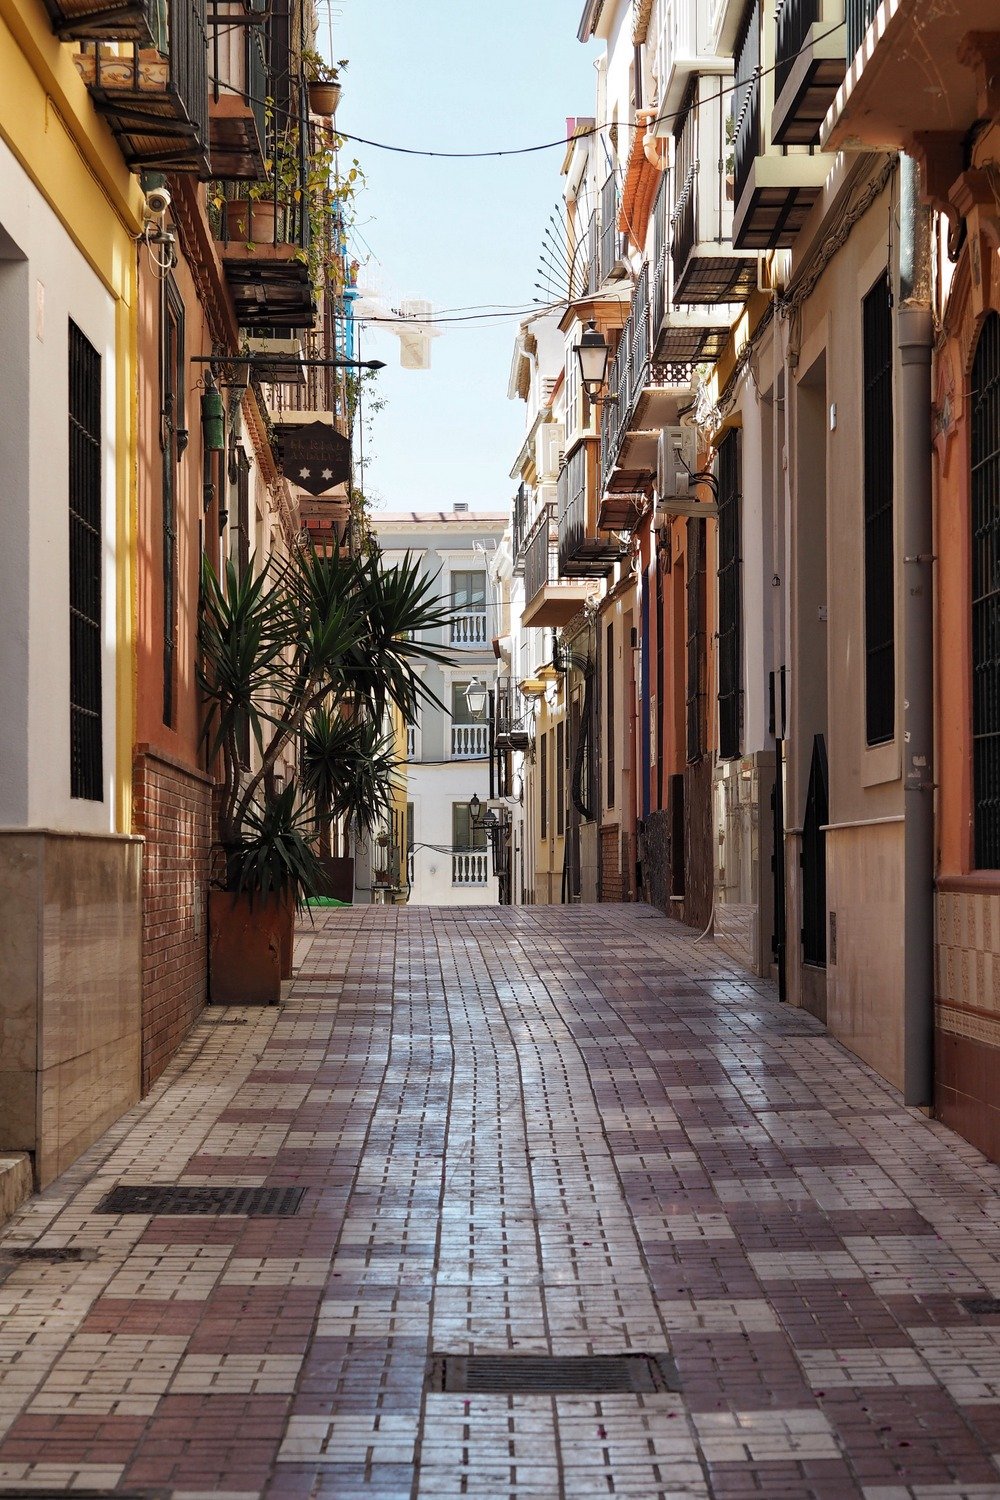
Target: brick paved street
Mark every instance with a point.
(519, 1131)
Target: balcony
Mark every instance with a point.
(470, 741)
(103, 20)
(549, 601)
(774, 186)
(611, 247)
(155, 97)
(706, 268)
(264, 242)
(693, 334)
(877, 105)
(520, 526)
(468, 630)
(644, 397)
(237, 108)
(685, 44)
(470, 867)
(583, 553)
(809, 68)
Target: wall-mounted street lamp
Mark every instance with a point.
(477, 697)
(592, 353)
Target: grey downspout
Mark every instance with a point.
(915, 336)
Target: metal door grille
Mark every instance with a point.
(85, 556)
(986, 595)
(730, 696)
(609, 711)
(880, 633)
(695, 638)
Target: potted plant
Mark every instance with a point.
(278, 646)
(348, 769)
(322, 82)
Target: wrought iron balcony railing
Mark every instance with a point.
(747, 103)
(610, 236)
(541, 558)
(792, 22)
(155, 98)
(520, 524)
(860, 15)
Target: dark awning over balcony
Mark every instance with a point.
(92, 20)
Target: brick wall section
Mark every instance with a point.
(173, 812)
(611, 865)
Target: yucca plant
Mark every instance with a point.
(315, 651)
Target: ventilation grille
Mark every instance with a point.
(136, 1198)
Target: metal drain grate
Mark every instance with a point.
(981, 1307)
(49, 1255)
(154, 1198)
(596, 1374)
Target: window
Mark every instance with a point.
(464, 837)
(172, 422)
(560, 779)
(695, 639)
(460, 712)
(880, 643)
(730, 665)
(468, 589)
(609, 710)
(85, 560)
(986, 596)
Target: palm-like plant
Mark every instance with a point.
(300, 649)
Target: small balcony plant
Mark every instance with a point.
(323, 82)
(284, 649)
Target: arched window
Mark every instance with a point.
(985, 487)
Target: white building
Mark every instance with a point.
(450, 861)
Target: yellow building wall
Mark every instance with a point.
(49, 123)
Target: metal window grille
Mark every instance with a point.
(730, 652)
(986, 595)
(792, 23)
(543, 786)
(880, 633)
(85, 558)
(560, 779)
(684, 211)
(171, 406)
(860, 15)
(695, 584)
(609, 710)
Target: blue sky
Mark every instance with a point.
(448, 75)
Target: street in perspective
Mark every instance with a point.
(500, 750)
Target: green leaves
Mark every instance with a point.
(307, 659)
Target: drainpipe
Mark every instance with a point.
(915, 335)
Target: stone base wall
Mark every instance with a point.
(173, 811)
(612, 886)
(69, 991)
(967, 1016)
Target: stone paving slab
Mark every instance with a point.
(565, 1131)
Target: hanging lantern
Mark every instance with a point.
(212, 416)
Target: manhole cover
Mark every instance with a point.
(598, 1374)
(981, 1307)
(136, 1198)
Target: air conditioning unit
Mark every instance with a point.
(550, 449)
(676, 461)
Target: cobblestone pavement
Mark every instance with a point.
(547, 1131)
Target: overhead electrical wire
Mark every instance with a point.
(593, 130)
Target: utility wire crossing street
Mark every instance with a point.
(509, 1202)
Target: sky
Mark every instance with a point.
(447, 75)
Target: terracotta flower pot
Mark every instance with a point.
(251, 220)
(249, 947)
(324, 96)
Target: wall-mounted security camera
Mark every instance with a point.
(157, 201)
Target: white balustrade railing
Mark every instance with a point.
(411, 741)
(470, 867)
(469, 741)
(468, 629)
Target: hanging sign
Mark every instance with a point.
(316, 457)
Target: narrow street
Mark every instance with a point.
(541, 1131)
